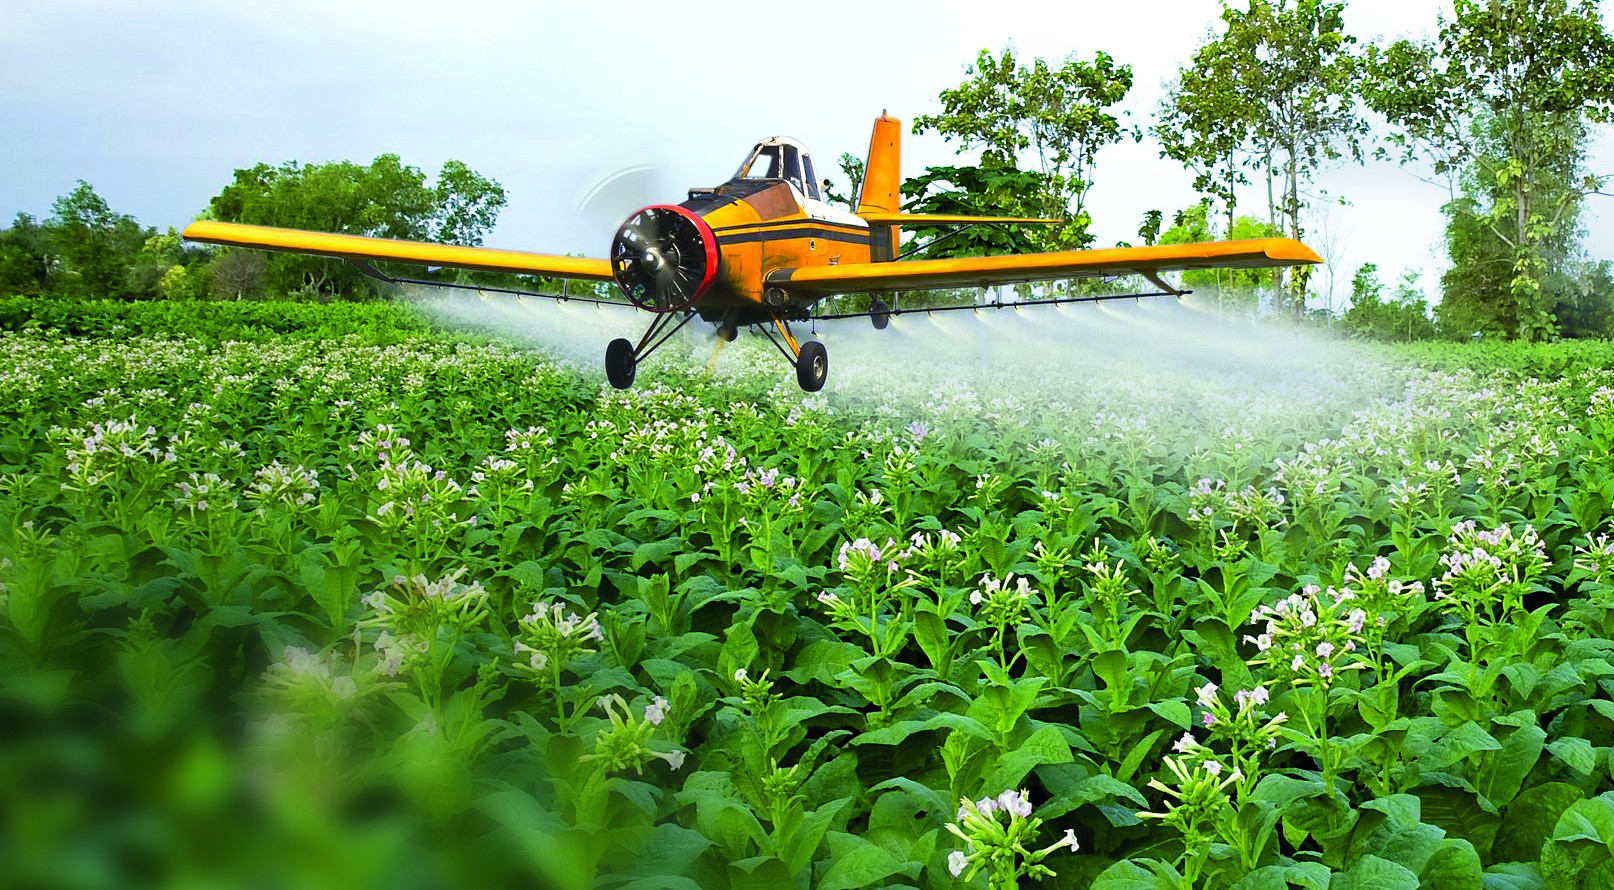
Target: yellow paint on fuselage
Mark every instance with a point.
(752, 244)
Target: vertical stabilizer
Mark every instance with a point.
(882, 184)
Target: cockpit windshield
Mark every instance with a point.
(781, 160)
(764, 163)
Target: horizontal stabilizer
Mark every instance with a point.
(361, 249)
(949, 219)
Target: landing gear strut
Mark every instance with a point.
(622, 357)
(811, 359)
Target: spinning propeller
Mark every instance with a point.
(663, 258)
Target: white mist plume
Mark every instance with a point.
(1153, 361)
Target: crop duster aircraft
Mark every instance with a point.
(764, 248)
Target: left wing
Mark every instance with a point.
(360, 250)
(822, 281)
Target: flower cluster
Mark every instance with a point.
(204, 491)
(1488, 571)
(551, 635)
(413, 611)
(1244, 728)
(290, 487)
(108, 451)
(1381, 599)
(998, 846)
(1309, 637)
(1597, 559)
(627, 740)
(1201, 799)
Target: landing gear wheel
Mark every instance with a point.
(812, 366)
(619, 363)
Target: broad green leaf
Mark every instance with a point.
(1528, 821)
(1456, 865)
(1129, 875)
(1575, 753)
(856, 863)
(1373, 873)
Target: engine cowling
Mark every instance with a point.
(664, 257)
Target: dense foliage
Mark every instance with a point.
(440, 611)
(85, 249)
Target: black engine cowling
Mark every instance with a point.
(664, 258)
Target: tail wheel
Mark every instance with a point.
(620, 364)
(812, 366)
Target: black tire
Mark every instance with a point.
(619, 363)
(812, 366)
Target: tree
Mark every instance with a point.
(978, 191)
(1275, 89)
(23, 257)
(1506, 89)
(1060, 116)
(1404, 317)
(385, 199)
(1231, 290)
(238, 273)
(1203, 122)
(91, 245)
(852, 166)
(1587, 310)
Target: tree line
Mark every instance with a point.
(84, 248)
(1498, 104)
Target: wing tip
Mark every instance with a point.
(1290, 250)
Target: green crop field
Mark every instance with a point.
(300, 595)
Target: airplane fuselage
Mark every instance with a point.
(761, 225)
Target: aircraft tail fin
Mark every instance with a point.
(882, 184)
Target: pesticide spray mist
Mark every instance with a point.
(1063, 370)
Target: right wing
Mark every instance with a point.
(984, 271)
(361, 250)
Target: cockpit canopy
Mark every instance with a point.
(782, 158)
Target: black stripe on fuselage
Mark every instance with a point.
(788, 223)
(732, 236)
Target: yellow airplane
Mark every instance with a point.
(764, 248)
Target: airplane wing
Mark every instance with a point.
(822, 281)
(361, 251)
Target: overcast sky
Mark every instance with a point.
(156, 104)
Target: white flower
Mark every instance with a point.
(957, 862)
(656, 711)
(1069, 840)
(1207, 695)
(739, 673)
(1015, 803)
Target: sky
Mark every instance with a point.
(156, 104)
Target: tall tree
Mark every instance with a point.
(91, 245)
(1057, 118)
(1275, 89)
(1203, 122)
(1505, 90)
